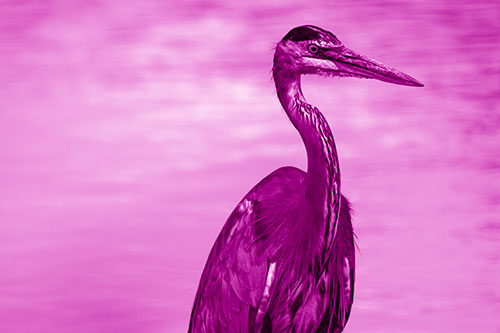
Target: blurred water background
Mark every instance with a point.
(130, 130)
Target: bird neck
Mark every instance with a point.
(322, 187)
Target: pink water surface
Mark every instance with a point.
(129, 132)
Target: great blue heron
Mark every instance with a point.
(284, 260)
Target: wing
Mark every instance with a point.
(234, 279)
(338, 278)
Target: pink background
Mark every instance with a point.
(129, 132)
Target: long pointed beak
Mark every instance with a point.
(351, 63)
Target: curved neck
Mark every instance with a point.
(322, 188)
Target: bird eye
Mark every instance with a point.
(313, 48)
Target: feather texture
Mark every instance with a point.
(258, 233)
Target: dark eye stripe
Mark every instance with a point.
(301, 34)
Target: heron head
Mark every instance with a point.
(312, 50)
